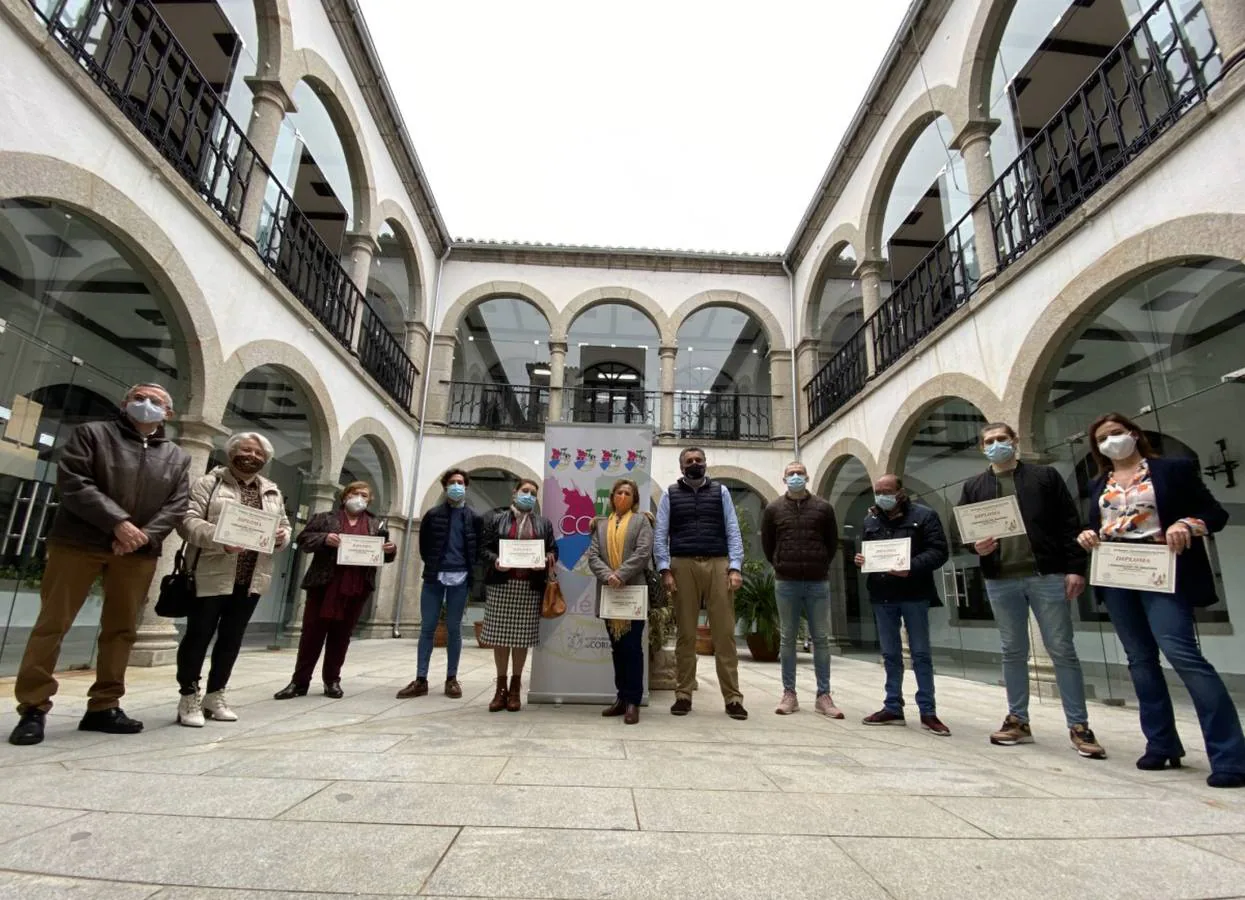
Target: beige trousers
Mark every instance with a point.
(698, 579)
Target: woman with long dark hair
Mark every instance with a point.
(1144, 498)
(512, 597)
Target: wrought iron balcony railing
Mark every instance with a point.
(1162, 68)
(721, 417)
(384, 359)
(483, 406)
(611, 405)
(131, 53)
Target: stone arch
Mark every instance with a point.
(276, 37)
(939, 100)
(845, 236)
(38, 177)
(746, 477)
(735, 300)
(942, 387)
(309, 66)
(453, 316)
(972, 102)
(386, 451)
(1204, 235)
(293, 363)
(833, 460)
(641, 303)
(388, 211)
(483, 461)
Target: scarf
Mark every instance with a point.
(522, 528)
(615, 541)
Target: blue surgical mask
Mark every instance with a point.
(796, 483)
(145, 411)
(456, 492)
(1000, 452)
(525, 502)
(885, 502)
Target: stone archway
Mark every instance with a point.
(899, 436)
(454, 314)
(482, 461)
(745, 303)
(386, 451)
(389, 212)
(642, 303)
(833, 460)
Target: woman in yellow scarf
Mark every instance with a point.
(621, 551)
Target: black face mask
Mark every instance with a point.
(247, 465)
(695, 471)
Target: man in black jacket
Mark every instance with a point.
(800, 536)
(905, 595)
(449, 545)
(1042, 571)
(123, 487)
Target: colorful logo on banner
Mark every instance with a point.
(611, 460)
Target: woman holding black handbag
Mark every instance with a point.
(229, 580)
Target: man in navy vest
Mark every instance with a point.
(700, 553)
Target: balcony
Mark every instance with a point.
(132, 54)
(611, 406)
(481, 406)
(1151, 79)
(721, 417)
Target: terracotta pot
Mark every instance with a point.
(479, 627)
(441, 636)
(704, 642)
(761, 649)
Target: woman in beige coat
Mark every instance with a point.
(229, 580)
(620, 553)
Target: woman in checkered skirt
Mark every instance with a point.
(513, 596)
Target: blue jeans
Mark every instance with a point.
(812, 598)
(1148, 622)
(1011, 599)
(430, 599)
(915, 616)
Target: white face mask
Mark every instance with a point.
(1118, 446)
(356, 504)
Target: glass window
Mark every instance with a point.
(363, 463)
(612, 365)
(505, 341)
(722, 350)
(390, 291)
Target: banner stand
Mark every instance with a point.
(574, 663)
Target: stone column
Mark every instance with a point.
(557, 374)
(782, 407)
(415, 343)
(807, 364)
(443, 347)
(1227, 21)
(665, 428)
(838, 606)
(377, 621)
(269, 105)
(869, 273)
(156, 643)
(973, 144)
(321, 497)
(360, 249)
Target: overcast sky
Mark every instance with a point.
(681, 123)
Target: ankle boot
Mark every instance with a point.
(498, 703)
(514, 697)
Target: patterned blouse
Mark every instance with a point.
(1130, 512)
(251, 496)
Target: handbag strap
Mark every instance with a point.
(180, 558)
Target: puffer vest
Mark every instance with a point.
(697, 520)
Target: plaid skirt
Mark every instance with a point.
(511, 614)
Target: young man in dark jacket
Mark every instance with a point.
(1042, 571)
(449, 545)
(123, 487)
(800, 536)
(905, 595)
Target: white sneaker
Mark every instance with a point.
(190, 710)
(215, 707)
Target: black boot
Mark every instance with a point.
(333, 689)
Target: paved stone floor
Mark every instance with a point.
(371, 796)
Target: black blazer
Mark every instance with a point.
(500, 524)
(1180, 494)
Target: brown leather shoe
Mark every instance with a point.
(632, 715)
(453, 689)
(416, 688)
(498, 703)
(617, 708)
(514, 696)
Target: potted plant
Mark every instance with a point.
(661, 630)
(756, 609)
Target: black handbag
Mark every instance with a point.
(178, 591)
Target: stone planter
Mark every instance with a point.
(704, 641)
(761, 649)
(662, 675)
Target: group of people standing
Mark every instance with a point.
(125, 488)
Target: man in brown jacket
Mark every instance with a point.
(799, 535)
(123, 487)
